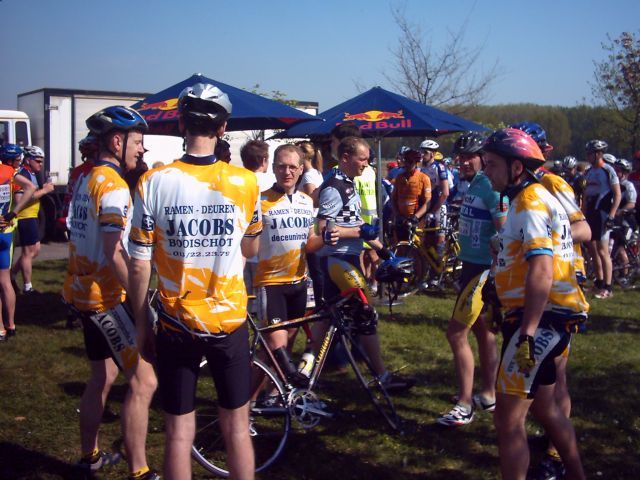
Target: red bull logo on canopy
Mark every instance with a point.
(377, 119)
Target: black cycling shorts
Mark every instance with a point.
(277, 303)
(597, 219)
(28, 231)
(178, 366)
(111, 334)
(550, 342)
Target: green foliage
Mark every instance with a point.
(617, 81)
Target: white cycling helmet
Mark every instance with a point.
(624, 165)
(610, 159)
(429, 144)
(205, 102)
(569, 162)
(33, 152)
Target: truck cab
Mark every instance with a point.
(14, 128)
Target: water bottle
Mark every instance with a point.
(306, 364)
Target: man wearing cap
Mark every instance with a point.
(537, 287)
(195, 220)
(601, 200)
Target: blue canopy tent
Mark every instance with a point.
(381, 113)
(250, 111)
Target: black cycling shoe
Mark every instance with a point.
(548, 469)
(11, 332)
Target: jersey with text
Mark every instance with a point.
(100, 204)
(480, 207)
(286, 221)
(537, 224)
(190, 219)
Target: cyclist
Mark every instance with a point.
(601, 201)
(411, 195)
(536, 284)
(574, 178)
(96, 283)
(625, 219)
(28, 217)
(281, 276)
(194, 220)
(551, 464)
(88, 147)
(340, 203)
(11, 155)
(8, 212)
(481, 215)
(438, 175)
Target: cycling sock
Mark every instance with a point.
(553, 453)
(139, 473)
(91, 457)
(28, 286)
(608, 287)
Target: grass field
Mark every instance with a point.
(42, 375)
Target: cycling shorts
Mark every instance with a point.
(111, 334)
(28, 231)
(341, 273)
(549, 344)
(277, 303)
(6, 250)
(597, 220)
(469, 303)
(178, 365)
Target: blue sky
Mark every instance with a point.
(318, 51)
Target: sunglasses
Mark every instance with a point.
(37, 161)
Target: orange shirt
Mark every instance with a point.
(411, 191)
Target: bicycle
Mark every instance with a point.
(428, 266)
(280, 402)
(625, 274)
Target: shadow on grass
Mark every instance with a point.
(606, 324)
(40, 309)
(20, 463)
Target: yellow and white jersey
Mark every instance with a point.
(100, 204)
(286, 221)
(537, 225)
(190, 217)
(563, 192)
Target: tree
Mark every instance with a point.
(617, 82)
(448, 78)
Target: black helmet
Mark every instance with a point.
(469, 142)
(596, 146)
(395, 269)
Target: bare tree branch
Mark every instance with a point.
(446, 78)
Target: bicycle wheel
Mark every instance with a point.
(405, 249)
(269, 423)
(370, 382)
(623, 275)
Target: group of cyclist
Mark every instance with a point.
(20, 192)
(196, 220)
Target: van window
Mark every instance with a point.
(4, 132)
(22, 134)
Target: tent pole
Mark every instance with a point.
(378, 140)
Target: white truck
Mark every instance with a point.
(14, 128)
(57, 120)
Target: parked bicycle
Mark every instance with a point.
(430, 270)
(625, 272)
(278, 400)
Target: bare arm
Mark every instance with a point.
(537, 288)
(117, 257)
(617, 197)
(139, 276)
(28, 189)
(580, 231)
(249, 246)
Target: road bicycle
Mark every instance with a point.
(277, 401)
(625, 274)
(430, 269)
